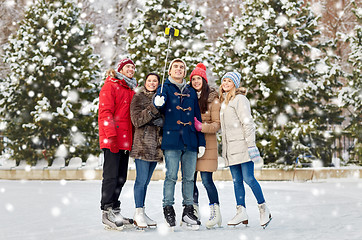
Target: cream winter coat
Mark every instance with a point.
(238, 130)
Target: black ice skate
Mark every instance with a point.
(189, 218)
(170, 215)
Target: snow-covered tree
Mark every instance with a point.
(352, 93)
(47, 100)
(147, 42)
(291, 80)
(110, 19)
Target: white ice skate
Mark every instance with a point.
(265, 215)
(240, 217)
(215, 216)
(139, 219)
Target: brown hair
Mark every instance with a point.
(111, 73)
(204, 96)
(154, 74)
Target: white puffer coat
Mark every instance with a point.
(238, 130)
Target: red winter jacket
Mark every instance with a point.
(114, 113)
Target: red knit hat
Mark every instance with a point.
(123, 62)
(200, 70)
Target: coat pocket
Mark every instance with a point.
(122, 129)
(237, 147)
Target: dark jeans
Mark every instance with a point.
(245, 173)
(115, 169)
(144, 170)
(210, 187)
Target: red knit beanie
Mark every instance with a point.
(123, 62)
(200, 70)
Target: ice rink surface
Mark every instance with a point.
(330, 209)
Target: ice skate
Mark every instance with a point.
(139, 219)
(197, 211)
(127, 222)
(170, 216)
(150, 222)
(240, 217)
(265, 215)
(215, 216)
(110, 221)
(189, 218)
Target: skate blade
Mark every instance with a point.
(109, 228)
(214, 226)
(188, 226)
(128, 225)
(152, 226)
(245, 222)
(140, 229)
(266, 224)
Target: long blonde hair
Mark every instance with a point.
(231, 94)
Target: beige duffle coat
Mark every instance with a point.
(210, 125)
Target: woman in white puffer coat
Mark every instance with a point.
(238, 146)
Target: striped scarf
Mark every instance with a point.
(131, 82)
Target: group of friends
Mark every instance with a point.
(176, 123)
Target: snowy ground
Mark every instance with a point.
(330, 209)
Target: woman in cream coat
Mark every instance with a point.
(238, 146)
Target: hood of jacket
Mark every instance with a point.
(110, 79)
(212, 95)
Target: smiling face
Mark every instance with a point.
(177, 71)
(196, 82)
(128, 70)
(227, 84)
(151, 83)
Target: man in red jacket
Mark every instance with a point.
(115, 138)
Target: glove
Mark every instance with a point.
(201, 152)
(198, 125)
(159, 101)
(157, 122)
(254, 154)
(113, 146)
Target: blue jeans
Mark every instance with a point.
(245, 172)
(188, 166)
(210, 187)
(144, 170)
